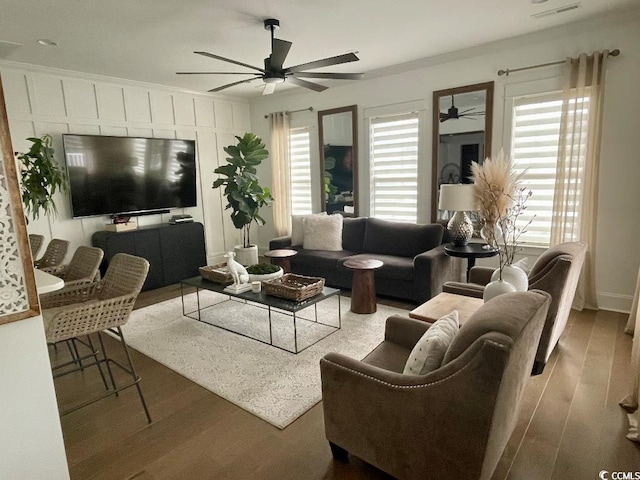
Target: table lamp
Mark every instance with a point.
(459, 198)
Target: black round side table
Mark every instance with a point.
(471, 251)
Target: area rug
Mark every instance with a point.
(272, 384)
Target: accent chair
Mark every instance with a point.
(556, 272)
(451, 423)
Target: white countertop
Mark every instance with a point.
(45, 282)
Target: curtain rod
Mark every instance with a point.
(309, 109)
(612, 53)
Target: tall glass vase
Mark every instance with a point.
(492, 234)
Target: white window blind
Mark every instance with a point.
(393, 153)
(535, 139)
(300, 152)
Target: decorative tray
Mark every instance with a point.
(294, 287)
(217, 273)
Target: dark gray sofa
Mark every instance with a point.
(415, 265)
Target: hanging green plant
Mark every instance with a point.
(40, 177)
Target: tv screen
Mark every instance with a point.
(129, 175)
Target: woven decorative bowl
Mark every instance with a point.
(294, 287)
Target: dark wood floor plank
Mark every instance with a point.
(579, 451)
(196, 434)
(537, 453)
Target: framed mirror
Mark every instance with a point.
(338, 141)
(462, 120)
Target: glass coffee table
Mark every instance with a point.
(272, 304)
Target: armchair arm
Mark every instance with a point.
(467, 289)
(404, 331)
(77, 319)
(280, 242)
(70, 294)
(430, 270)
(481, 275)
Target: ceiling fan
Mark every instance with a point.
(274, 72)
(453, 114)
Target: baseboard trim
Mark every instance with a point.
(615, 302)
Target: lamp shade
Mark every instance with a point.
(457, 197)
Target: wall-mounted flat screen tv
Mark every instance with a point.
(129, 175)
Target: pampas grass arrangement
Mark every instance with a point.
(502, 200)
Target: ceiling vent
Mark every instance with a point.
(555, 11)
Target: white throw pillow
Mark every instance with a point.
(428, 353)
(297, 228)
(323, 232)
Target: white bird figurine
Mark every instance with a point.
(237, 270)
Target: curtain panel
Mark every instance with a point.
(280, 172)
(574, 215)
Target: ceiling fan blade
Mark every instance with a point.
(335, 76)
(218, 57)
(303, 83)
(279, 53)
(269, 88)
(217, 89)
(325, 62)
(218, 73)
(470, 113)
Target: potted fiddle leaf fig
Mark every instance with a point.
(40, 177)
(244, 194)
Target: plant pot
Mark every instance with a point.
(254, 277)
(495, 288)
(246, 255)
(513, 275)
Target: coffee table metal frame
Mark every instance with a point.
(264, 301)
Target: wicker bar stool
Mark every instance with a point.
(35, 241)
(83, 310)
(54, 254)
(83, 267)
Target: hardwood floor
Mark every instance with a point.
(570, 426)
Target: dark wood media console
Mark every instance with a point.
(175, 252)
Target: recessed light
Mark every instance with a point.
(538, 2)
(47, 43)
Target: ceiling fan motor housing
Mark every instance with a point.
(271, 24)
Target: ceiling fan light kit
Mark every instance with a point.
(274, 73)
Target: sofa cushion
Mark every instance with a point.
(427, 354)
(399, 268)
(320, 260)
(353, 233)
(401, 239)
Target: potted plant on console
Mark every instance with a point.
(40, 177)
(244, 194)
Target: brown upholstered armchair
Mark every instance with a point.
(452, 423)
(556, 272)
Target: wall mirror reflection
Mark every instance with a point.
(462, 120)
(338, 132)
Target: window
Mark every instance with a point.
(300, 152)
(394, 167)
(534, 149)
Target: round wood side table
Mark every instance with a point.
(281, 257)
(363, 289)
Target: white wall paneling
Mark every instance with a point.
(41, 100)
